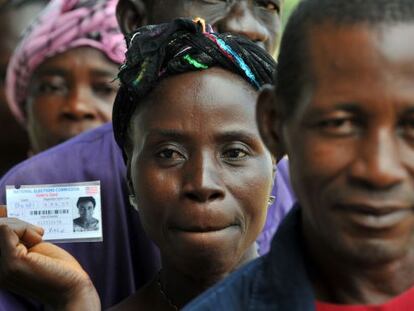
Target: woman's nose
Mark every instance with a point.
(203, 181)
(80, 106)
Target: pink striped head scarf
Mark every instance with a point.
(63, 25)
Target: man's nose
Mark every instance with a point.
(379, 164)
(79, 105)
(203, 181)
(242, 20)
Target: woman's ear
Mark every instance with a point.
(131, 14)
(132, 198)
(269, 122)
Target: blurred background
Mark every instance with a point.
(289, 6)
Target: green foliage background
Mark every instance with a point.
(289, 5)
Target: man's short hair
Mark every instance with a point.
(86, 199)
(293, 71)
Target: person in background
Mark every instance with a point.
(198, 171)
(134, 255)
(343, 110)
(88, 29)
(15, 16)
(60, 77)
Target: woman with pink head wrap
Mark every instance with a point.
(60, 81)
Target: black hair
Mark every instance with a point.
(86, 199)
(17, 4)
(293, 72)
(159, 51)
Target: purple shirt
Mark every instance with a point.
(126, 259)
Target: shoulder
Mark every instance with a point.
(233, 293)
(80, 158)
(144, 299)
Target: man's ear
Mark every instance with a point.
(131, 14)
(269, 122)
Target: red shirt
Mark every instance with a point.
(403, 302)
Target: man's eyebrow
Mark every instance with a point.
(352, 107)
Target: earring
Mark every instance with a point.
(133, 202)
(271, 200)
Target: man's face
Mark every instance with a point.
(351, 142)
(257, 19)
(86, 210)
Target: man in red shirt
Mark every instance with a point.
(343, 111)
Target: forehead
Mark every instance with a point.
(361, 60)
(85, 204)
(81, 57)
(195, 100)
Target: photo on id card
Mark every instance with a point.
(68, 212)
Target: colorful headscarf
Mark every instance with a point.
(63, 25)
(159, 51)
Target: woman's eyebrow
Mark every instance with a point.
(233, 135)
(167, 133)
(53, 71)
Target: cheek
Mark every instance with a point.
(252, 189)
(43, 111)
(317, 164)
(105, 108)
(155, 191)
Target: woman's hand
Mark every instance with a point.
(42, 271)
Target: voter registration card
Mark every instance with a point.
(67, 212)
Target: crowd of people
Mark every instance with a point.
(231, 178)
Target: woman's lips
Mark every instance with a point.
(202, 229)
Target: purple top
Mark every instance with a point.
(126, 259)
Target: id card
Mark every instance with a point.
(67, 212)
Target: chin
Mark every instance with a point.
(369, 252)
(210, 260)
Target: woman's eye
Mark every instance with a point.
(170, 154)
(105, 89)
(51, 87)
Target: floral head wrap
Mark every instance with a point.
(63, 25)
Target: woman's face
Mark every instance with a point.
(69, 94)
(200, 171)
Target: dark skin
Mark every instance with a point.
(202, 177)
(350, 144)
(13, 137)
(69, 94)
(258, 20)
(202, 189)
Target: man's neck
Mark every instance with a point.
(340, 280)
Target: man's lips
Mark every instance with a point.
(375, 215)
